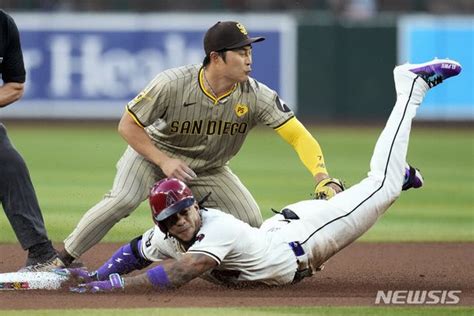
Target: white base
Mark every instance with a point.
(31, 281)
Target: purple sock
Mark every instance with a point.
(122, 261)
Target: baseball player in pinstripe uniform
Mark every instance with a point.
(188, 123)
(189, 241)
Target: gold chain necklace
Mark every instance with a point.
(208, 84)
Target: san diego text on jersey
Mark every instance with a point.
(201, 127)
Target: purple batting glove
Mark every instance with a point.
(78, 274)
(115, 282)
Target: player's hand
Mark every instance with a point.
(327, 188)
(114, 283)
(78, 275)
(176, 168)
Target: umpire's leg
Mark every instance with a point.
(20, 204)
(228, 194)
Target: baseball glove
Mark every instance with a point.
(324, 191)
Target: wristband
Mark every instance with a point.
(158, 277)
(116, 281)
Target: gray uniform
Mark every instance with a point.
(185, 122)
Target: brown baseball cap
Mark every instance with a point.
(227, 35)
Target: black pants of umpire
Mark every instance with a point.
(20, 204)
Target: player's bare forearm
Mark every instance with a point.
(179, 272)
(10, 92)
(188, 267)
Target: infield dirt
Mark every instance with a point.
(352, 277)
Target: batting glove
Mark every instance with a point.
(115, 282)
(80, 275)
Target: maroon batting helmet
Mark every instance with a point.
(168, 197)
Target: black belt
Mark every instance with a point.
(304, 269)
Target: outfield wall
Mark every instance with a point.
(420, 37)
(90, 65)
(345, 68)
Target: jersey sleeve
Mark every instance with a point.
(12, 64)
(272, 110)
(216, 240)
(307, 147)
(155, 246)
(151, 103)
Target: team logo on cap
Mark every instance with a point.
(241, 109)
(241, 28)
(171, 198)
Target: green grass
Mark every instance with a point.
(261, 311)
(73, 166)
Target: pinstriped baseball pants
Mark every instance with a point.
(135, 176)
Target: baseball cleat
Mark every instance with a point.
(76, 264)
(47, 266)
(413, 178)
(436, 71)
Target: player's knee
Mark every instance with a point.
(255, 218)
(124, 203)
(377, 178)
(390, 191)
(394, 192)
(256, 223)
(13, 164)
